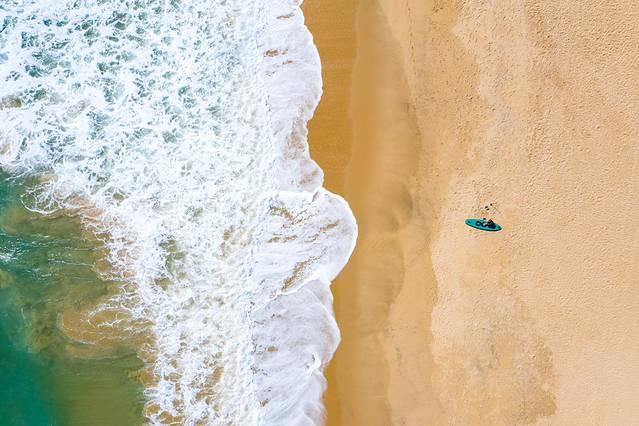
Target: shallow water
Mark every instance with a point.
(46, 270)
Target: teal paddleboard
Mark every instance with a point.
(481, 224)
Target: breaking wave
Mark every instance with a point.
(177, 131)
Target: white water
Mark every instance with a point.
(184, 123)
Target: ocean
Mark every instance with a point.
(167, 246)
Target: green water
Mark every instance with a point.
(45, 269)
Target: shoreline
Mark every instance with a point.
(381, 292)
(330, 132)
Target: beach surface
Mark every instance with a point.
(526, 112)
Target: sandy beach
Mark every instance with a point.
(525, 112)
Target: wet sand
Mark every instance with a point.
(330, 134)
(380, 135)
(522, 111)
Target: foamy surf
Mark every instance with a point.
(178, 130)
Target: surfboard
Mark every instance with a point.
(481, 224)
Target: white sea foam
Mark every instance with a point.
(184, 124)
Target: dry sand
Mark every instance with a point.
(529, 109)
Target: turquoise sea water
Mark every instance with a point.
(46, 268)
